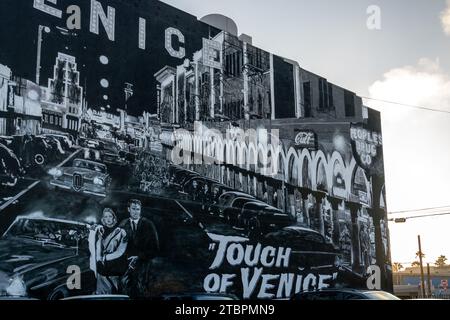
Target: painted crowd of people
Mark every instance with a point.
(151, 173)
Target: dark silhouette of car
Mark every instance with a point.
(112, 155)
(32, 151)
(345, 294)
(89, 143)
(11, 168)
(309, 247)
(66, 142)
(6, 141)
(187, 186)
(258, 218)
(226, 200)
(83, 176)
(55, 144)
(36, 254)
(107, 297)
(197, 297)
(179, 177)
(231, 209)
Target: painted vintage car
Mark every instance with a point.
(258, 218)
(37, 255)
(65, 141)
(10, 167)
(309, 247)
(83, 176)
(32, 151)
(109, 153)
(344, 294)
(112, 155)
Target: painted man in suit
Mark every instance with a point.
(143, 246)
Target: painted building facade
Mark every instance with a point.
(199, 100)
(21, 111)
(264, 126)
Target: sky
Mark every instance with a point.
(407, 60)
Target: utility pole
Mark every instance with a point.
(422, 278)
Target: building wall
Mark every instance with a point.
(5, 76)
(318, 178)
(338, 110)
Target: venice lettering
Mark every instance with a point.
(252, 259)
(107, 19)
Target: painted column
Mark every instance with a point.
(319, 196)
(246, 87)
(356, 248)
(272, 88)
(176, 118)
(380, 215)
(335, 214)
(66, 94)
(298, 92)
(305, 196)
(197, 94)
(221, 98)
(185, 98)
(213, 92)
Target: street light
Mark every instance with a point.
(405, 219)
(398, 220)
(41, 29)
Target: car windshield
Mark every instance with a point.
(254, 207)
(51, 232)
(111, 147)
(308, 241)
(89, 165)
(380, 295)
(270, 211)
(307, 235)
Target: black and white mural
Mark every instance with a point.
(147, 154)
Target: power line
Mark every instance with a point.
(408, 105)
(404, 219)
(419, 210)
(429, 215)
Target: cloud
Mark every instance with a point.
(422, 85)
(416, 151)
(445, 19)
(416, 147)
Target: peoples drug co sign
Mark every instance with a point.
(367, 147)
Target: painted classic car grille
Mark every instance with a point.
(77, 181)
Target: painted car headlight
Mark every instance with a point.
(56, 172)
(17, 287)
(99, 181)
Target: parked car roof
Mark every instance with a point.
(238, 194)
(301, 229)
(98, 297)
(90, 162)
(199, 297)
(345, 294)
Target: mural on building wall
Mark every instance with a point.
(161, 158)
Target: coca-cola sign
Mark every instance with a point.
(306, 139)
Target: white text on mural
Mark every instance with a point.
(232, 252)
(366, 143)
(106, 17)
